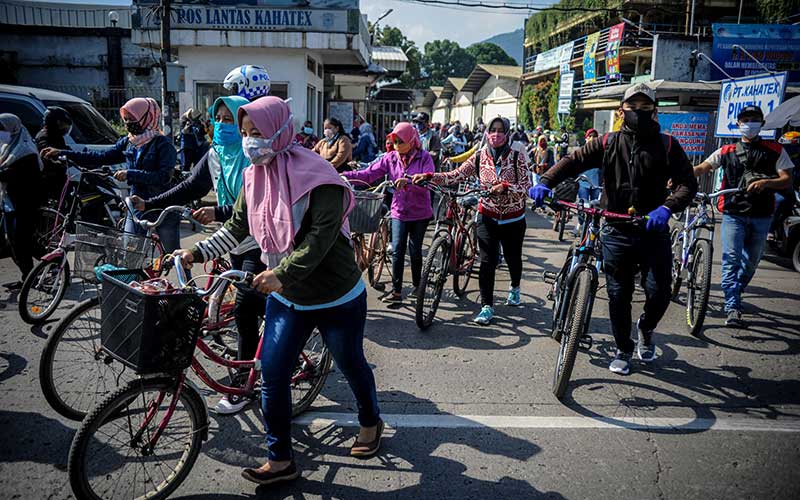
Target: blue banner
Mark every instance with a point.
(777, 46)
(690, 129)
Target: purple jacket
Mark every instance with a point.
(410, 203)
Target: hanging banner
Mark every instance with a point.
(776, 46)
(565, 56)
(589, 68)
(690, 129)
(565, 86)
(612, 51)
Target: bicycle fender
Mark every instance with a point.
(56, 254)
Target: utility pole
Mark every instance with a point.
(165, 58)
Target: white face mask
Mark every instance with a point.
(328, 133)
(5, 137)
(259, 150)
(750, 129)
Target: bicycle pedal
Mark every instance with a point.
(586, 342)
(549, 277)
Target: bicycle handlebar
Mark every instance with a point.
(596, 211)
(380, 188)
(711, 196)
(232, 275)
(483, 193)
(185, 212)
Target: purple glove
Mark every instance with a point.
(658, 219)
(539, 192)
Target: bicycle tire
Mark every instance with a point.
(323, 368)
(378, 250)
(560, 298)
(441, 245)
(33, 317)
(111, 408)
(556, 220)
(48, 230)
(580, 305)
(562, 225)
(464, 262)
(677, 251)
(699, 287)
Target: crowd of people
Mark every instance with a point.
(283, 202)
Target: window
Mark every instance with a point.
(206, 93)
(311, 65)
(279, 90)
(30, 117)
(311, 104)
(319, 70)
(88, 126)
(320, 109)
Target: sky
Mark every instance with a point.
(422, 23)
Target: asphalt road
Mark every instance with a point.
(470, 411)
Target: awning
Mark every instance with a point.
(786, 113)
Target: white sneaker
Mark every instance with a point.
(230, 405)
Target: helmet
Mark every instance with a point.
(250, 82)
(790, 138)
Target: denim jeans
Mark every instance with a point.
(285, 333)
(743, 240)
(587, 193)
(249, 304)
(624, 252)
(169, 232)
(409, 233)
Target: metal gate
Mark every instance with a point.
(383, 114)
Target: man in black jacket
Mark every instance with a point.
(637, 163)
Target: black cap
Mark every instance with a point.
(421, 117)
(750, 110)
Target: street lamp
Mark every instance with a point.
(377, 21)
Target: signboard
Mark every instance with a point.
(565, 92)
(764, 91)
(690, 129)
(342, 110)
(244, 18)
(312, 4)
(547, 60)
(612, 51)
(777, 46)
(565, 56)
(589, 66)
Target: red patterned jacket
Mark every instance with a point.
(512, 202)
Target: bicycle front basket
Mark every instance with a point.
(151, 333)
(366, 215)
(97, 245)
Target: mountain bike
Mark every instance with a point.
(46, 284)
(692, 257)
(454, 250)
(145, 437)
(370, 225)
(574, 288)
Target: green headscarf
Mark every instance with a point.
(231, 156)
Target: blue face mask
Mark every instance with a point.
(226, 134)
(308, 130)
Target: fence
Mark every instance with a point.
(383, 114)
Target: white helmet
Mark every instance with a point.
(250, 82)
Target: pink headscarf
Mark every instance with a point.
(144, 110)
(271, 190)
(408, 134)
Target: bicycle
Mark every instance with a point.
(692, 257)
(454, 250)
(574, 288)
(371, 216)
(152, 428)
(45, 286)
(74, 371)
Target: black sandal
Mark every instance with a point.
(365, 450)
(261, 477)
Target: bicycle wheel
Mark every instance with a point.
(378, 250)
(559, 296)
(677, 251)
(431, 285)
(576, 323)
(111, 454)
(699, 284)
(360, 249)
(48, 230)
(466, 245)
(43, 290)
(562, 225)
(310, 372)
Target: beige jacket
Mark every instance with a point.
(339, 154)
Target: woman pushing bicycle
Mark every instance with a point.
(411, 205)
(501, 216)
(295, 206)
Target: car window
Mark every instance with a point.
(88, 126)
(30, 117)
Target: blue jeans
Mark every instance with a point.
(169, 232)
(402, 232)
(285, 333)
(587, 193)
(743, 240)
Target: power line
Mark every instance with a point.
(483, 4)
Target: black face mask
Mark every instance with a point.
(134, 128)
(639, 120)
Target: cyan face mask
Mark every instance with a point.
(226, 133)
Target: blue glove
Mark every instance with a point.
(658, 219)
(539, 192)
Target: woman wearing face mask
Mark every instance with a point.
(367, 148)
(335, 147)
(20, 175)
(306, 137)
(457, 139)
(411, 205)
(57, 124)
(221, 169)
(543, 158)
(501, 216)
(150, 158)
(296, 208)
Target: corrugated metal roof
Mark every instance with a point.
(381, 53)
(502, 71)
(62, 14)
(483, 72)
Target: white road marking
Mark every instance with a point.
(322, 419)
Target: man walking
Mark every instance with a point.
(760, 168)
(430, 139)
(637, 162)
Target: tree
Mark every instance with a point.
(392, 37)
(444, 59)
(490, 53)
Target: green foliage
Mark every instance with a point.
(540, 27)
(524, 109)
(490, 53)
(533, 105)
(444, 59)
(118, 127)
(552, 105)
(772, 11)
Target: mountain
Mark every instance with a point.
(510, 42)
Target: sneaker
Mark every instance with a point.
(621, 363)
(13, 286)
(263, 477)
(513, 297)
(231, 405)
(646, 348)
(392, 298)
(734, 319)
(485, 316)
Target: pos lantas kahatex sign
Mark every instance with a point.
(254, 15)
(764, 91)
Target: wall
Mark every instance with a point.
(462, 109)
(497, 97)
(441, 112)
(671, 59)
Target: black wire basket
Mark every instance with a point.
(97, 245)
